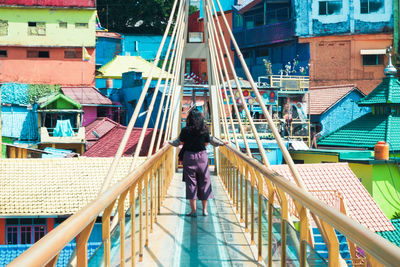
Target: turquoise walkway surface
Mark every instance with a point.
(179, 240)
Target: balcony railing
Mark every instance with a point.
(285, 82)
(46, 136)
(51, 3)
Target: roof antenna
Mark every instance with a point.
(390, 70)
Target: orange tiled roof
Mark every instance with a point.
(324, 97)
(330, 177)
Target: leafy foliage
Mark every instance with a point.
(36, 91)
(135, 16)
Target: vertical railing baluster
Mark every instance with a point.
(303, 236)
(140, 195)
(260, 196)
(271, 196)
(237, 189)
(81, 245)
(146, 184)
(246, 200)
(133, 222)
(252, 207)
(121, 219)
(241, 194)
(151, 200)
(105, 229)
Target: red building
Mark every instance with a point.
(196, 24)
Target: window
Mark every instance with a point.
(81, 25)
(3, 53)
(38, 54)
(12, 234)
(63, 25)
(3, 27)
(73, 53)
(25, 231)
(330, 7)
(372, 60)
(238, 20)
(371, 6)
(36, 28)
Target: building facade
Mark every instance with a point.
(45, 42)
(265, 32)
(347, 39)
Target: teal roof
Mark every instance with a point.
(9, 252)
(392, 236)
(388, 91)
(365, 132)
(14, 93)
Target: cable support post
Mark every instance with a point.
(239, 89)
(173, 37)
(271, 124)
(230, 90)
(131, 124)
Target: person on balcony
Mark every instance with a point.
(195, 137)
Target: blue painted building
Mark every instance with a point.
(18, 117)
(108, 45)
(132, 85)
(265, 30)
(332, 107)
(316, 18)
(145, 46)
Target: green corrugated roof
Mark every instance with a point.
(61, 100)
(366, 131)
(388, 91)
(392, 236)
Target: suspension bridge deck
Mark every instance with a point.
(179, 240)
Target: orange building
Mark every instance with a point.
(52, 44)
(196, 24)
(348, 59)
(45, 65)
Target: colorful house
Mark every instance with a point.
(94, 103)
(45, 42)
(108, 45)
(60, 123)
(36, 200)
(114, 69)
(265, 32)
(18, 116)
(355, 141)
(331, 107)
(337, 31)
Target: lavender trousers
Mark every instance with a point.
(197, 175)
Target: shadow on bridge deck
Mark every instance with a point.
(178, 240)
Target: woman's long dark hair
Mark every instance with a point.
(195, 123)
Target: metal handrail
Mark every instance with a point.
(48, 247)
(378, 249)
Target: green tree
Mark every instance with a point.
(192, 9)
(135, 16)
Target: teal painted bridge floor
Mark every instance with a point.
(179, 240)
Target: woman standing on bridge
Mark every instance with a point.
(195, 137)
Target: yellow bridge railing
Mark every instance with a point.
(148, 183)
(257, 191)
